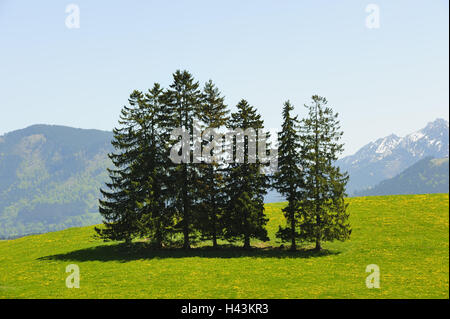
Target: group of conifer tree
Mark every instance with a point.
(151, 197)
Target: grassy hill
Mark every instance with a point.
(407, 236)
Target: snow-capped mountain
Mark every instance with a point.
(388, 156)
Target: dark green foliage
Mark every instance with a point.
(289, 179)
(245, 184)
(119, 207)
(151, 196)
(325, 216)
(212, 200)
(183, 103)
(157, 215)
(135, 202)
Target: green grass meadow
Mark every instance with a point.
(406, 236)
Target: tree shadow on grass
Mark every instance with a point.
(141, 251)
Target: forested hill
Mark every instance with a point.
(50, 178)
(424, 177)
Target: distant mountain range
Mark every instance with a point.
(388, 156)
(50, 175)
(427, 176)
(50, 178)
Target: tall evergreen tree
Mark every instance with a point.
(135, 203)
(119, 206)
(289, 179)
(214, 115)
(156, 219)
(183, 102)
(325, 215)
(246, 184)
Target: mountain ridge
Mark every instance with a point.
(427, 176)
(386, 157)
(50, 177)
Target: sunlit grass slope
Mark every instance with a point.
(406, 236)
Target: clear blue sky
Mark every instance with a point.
(388, 80)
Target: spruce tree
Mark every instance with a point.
(289, 179)
(325, 216)
(213, 115)
(246, 184)
(119, 206)
(156, 217)
(182, 105)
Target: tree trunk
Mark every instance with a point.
(186, 244)
(159, 239)
(247, 242)
(214, 240)
(293, 245)
(214, 226)
(214, 219)
(318, 246)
